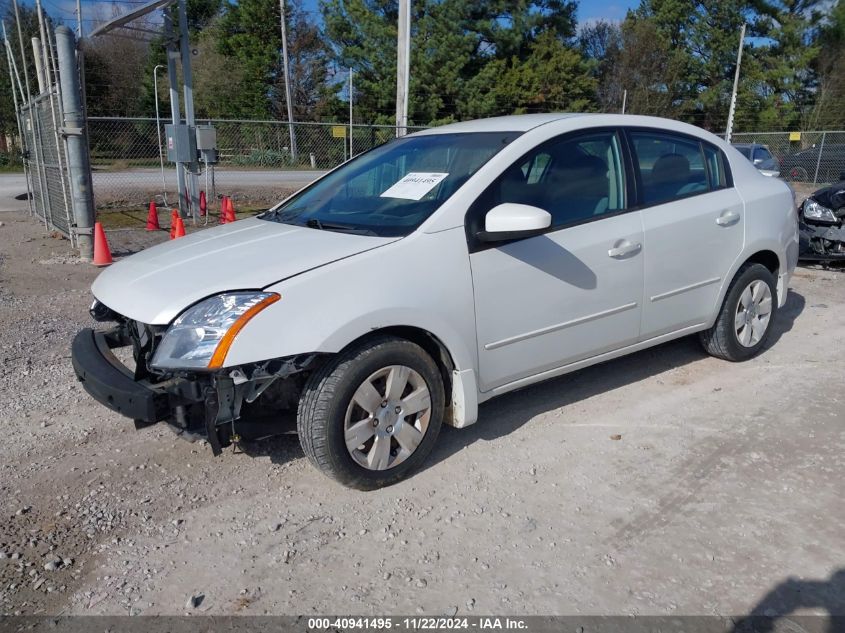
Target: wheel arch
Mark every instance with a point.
(459, 385)
(767, 258)
(764, 255)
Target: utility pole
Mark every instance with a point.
(76, 134)
(403, 69)
(624, 100)
(732, 110)
(79, 19)
(287, 80)
(188, 92)
(175, 115)
(350, 113)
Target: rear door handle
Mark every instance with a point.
(728, 218)
(624, 249)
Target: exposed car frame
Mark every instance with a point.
(821, 225)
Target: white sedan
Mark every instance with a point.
(438, 271)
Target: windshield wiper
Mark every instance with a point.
(314, 223)
(279, 215)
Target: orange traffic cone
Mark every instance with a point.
(178, 229)
(203, 204)
(222, 219)
(102, 254)
(152, 218)
(174, 217)
(230, 211)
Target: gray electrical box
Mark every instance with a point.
(181, 143)
(207, 143)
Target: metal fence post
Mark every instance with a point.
(77, 146)
(819, 160)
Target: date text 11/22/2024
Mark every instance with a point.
(416, 623)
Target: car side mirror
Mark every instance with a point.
(510, 221)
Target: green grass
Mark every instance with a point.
(137, 218)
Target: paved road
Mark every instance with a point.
(12, 185)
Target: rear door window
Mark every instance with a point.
(670, 166)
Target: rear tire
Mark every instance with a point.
(371, 415)
(746, 317)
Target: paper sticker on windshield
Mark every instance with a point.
(414, 185)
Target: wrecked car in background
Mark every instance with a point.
(821, 224)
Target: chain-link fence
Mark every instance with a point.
(45, 161)
(130, 165)
(812, 158)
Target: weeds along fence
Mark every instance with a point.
(812, 158)
(255, 161)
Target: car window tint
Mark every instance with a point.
(745, 151)
(715, 167)
(573, 179)
(671, 167)
(762, 153)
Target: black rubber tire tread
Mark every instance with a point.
(320, 413)
(721, 340)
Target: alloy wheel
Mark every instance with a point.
(753, 313)
(387, 417)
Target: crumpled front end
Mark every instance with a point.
(207, 404)
(821, 243)
(821, 225)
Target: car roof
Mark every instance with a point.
(512, 123)
(526, 122)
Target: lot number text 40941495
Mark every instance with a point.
(416, 623)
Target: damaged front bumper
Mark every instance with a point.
(204, 404)
(821, 242)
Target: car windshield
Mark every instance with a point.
(745, 151)
(391, 190)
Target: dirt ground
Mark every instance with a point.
(723, 495)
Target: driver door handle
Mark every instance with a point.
(728, 218)
(624, 249)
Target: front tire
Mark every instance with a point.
(371, 415)
(746, 317)
(799, 174)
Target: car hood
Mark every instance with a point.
(156, 284)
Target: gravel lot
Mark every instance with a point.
(723, 495)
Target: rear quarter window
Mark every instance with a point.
(717, 167)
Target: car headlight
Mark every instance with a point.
(201, 336)
(815, 211)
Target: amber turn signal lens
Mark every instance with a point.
(225, 343)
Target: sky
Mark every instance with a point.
(589, 11)
(610, 10)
